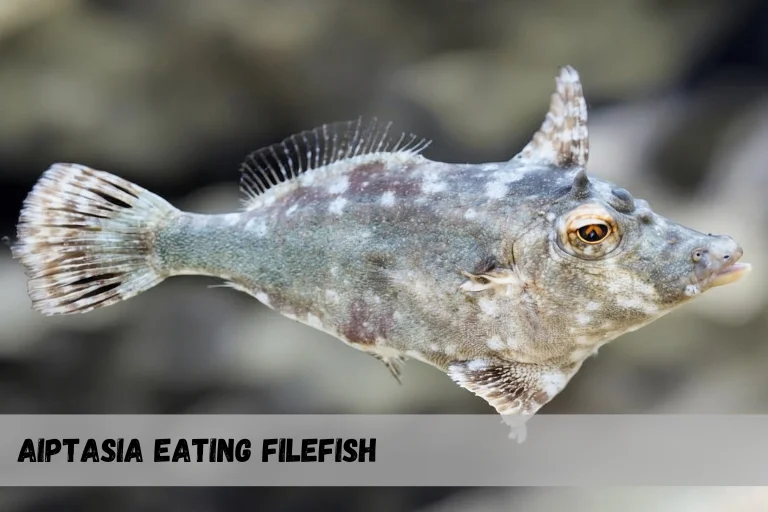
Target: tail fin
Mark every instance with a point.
(85, 238)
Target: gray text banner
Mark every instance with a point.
(409, 450)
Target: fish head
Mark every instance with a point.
(605, 263)
(598, 261)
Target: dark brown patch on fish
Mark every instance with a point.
(541, 397)
(366, 323)
(364, 177)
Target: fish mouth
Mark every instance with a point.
(729, 274)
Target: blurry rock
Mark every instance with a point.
(490, 97)
(17, 15)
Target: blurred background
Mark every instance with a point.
(173, 94)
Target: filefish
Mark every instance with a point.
(506, 276)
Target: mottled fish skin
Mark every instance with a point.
(480, 270)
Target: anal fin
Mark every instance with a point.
(511, 388)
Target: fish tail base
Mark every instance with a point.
(85, 239)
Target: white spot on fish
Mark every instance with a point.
(552, 383)
(488, 306)
(498, 188)
(631, 303)
(495, 343)
(314, 321)
(332, 296)
(593, 306)
(583, 319)
(377, 299)
(431, 184)
(581, 353)
(470, 214)
(388, 198)
(290, 211)
(232, 219)
(692, 290)
(308, 178)
(433, 347)
(450, 349)
(337, 205)
(258, 225)
(551, 216)
(476, 364)
(263, 298)
(339, 185)
(495, 189)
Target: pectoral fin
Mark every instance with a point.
(511, 388)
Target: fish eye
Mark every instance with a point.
(593, 233)
(589, 231)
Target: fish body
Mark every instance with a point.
(504, 275)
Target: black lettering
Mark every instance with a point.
(108, 447)
(134, 451)
(370, 450)
(181, 452)
(70, 444)
(338, 449)
(161, 450)
(308, 450)
(289, 455)
(52, 447)
(27, 451)
(41, 449)
(200, 445)
(225, 449)
(350, 450)
(267, 450)
(90, 451)
(243, 450)
(325, 449)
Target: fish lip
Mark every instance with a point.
(728, 274)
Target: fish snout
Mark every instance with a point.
(717, 262)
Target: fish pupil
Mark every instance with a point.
(593, 233)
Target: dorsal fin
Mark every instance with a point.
(563, 139)
(320, 147)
